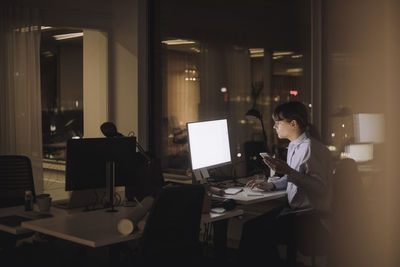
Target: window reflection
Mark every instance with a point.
(205, 81)
(213, 59)
(62, 88)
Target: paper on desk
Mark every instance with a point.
(233, 190)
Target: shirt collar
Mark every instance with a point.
(299, 140)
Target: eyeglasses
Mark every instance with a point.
(279, 122)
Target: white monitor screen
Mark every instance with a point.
(209, 143)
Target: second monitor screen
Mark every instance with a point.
(87, 157)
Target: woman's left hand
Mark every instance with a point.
(278, 165)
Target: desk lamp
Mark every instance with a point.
(110, 130)
(253, 114)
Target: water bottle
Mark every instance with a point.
(28, 200)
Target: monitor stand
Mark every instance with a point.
(201, 175)
(110, 187)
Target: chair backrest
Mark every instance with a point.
(347, 188)
(148, 179)
(171, 234)
(15, 177)
(349, 216)
(346, 208)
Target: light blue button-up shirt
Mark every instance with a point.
(309, 184)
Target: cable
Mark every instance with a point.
(140, 148)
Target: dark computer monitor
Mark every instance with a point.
(209, 146)
(87, 159)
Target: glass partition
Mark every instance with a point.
(215, 60)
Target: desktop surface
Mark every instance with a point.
(94, 228)
(249, 196)
(99, 228)
(245, 195)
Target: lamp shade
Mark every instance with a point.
(369, 128)
(109, 130)
(253, 114)
(359, 152)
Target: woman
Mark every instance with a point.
(307, 170)
(306, 179)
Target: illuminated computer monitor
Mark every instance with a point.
(209, 146)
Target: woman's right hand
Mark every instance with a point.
(250, 183)
(263, 185)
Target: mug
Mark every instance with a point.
(44, 202)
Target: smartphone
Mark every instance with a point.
(265, 155)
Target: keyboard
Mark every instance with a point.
(62, 204)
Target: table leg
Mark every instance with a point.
(220, 238)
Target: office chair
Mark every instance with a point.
(314, 239)
(15, 177)
(350, 218)
(171, 234)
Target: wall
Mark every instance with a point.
(360, 70)
(95, 82)
(124, 67)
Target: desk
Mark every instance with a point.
(93, 228)
(243, 199)
(98, 228)
(213, 217)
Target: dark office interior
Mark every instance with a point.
(150, 67)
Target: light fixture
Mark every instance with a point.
(282, 53)
(177, 42)
(296, 56)
(256, 52)
(294, 70)
(67, 36)
(45, 28)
